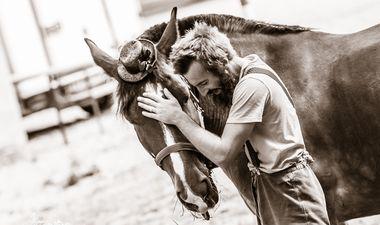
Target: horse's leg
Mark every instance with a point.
(328, 182)
(331, 210)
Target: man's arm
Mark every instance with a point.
(218, 149)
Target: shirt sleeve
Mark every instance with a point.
(248, 102)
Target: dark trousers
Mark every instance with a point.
(289, 197)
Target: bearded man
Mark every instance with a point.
(262, 117)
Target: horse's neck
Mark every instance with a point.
(295, 57)
(280, 48)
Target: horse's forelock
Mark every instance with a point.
(126, 94)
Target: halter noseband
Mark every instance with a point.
(180, 146)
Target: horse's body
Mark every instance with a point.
(335, 83)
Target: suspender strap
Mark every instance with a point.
(274, 77)
(251, 154)
(254, 162)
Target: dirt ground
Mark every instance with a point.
(117, 182)
(99, 179)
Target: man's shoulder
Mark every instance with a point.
(253, 61)
(251, 83)
(252, 57)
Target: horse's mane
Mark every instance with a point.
(226, 24)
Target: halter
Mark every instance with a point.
(147, 65)
(180, 146)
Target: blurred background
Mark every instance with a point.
(65, 156)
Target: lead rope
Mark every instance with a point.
(195, 102)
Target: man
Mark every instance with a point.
(285, 188)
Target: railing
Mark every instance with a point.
(83, 85)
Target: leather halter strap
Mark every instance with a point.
(180, 146)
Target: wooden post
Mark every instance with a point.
(6, 52)
(43, 38)
(41, 31)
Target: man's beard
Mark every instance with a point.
(228, 83)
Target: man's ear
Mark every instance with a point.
(102, 59)
(170, 34)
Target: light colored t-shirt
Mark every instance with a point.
(259, 99)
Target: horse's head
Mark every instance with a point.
(143, 67)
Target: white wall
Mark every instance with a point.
(337, 16)
(232, 7)
(21, 36)
(66, 46)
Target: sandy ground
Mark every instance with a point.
(126, 186)
(117, 182)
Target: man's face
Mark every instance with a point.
(205, 81)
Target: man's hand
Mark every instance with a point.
(156, 107)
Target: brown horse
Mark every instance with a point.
(136, 73)
(335, 83)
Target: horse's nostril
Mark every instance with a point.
(205, 197)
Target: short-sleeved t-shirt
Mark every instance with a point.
(259, 99)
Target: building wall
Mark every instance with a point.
(65, 44)
(338, 16)
(232, 7)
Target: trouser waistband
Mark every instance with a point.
(304, 159)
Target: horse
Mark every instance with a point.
(335, 83)
(189, 171)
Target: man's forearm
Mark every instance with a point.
(209, 144)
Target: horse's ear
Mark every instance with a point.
(170, 34)
(102, 59)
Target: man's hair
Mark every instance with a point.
(206, 45)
